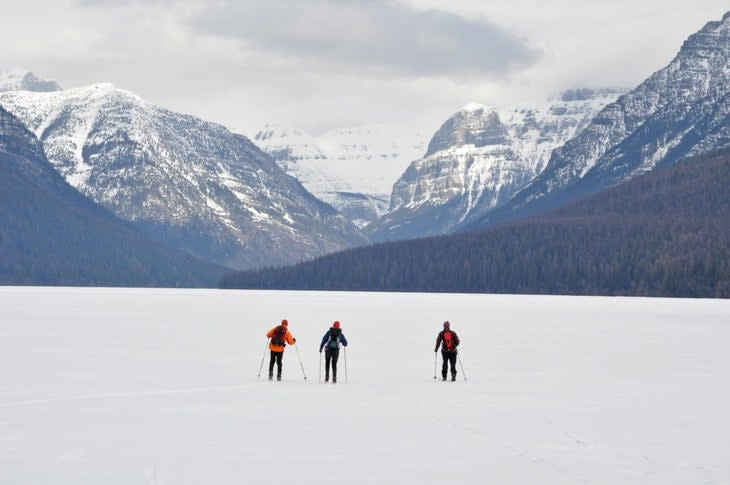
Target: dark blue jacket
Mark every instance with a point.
(340, 340)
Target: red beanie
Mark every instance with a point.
(336, 325)
(285, 322)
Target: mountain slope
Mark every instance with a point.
(681, 110)
(479, 159)
(666, 233)
(192, 184)
(352, 169)
(52, 235)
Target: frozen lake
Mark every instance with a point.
(123, 386)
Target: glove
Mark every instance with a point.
(320, 350)
(294, 340)
(436, 349)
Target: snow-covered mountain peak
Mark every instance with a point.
(104, 90)
(287, 143)
(480, 158)
(474, 124)
(474, 107)
(351, 168)
(21, 80)
(189, 182)
(680, 111)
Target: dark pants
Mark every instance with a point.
(330, 357)
(449, 357)
(275, 358)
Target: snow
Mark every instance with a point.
(171, 172)
(474, 107)
(159, 387)
(364, 159)
(257, 215)
(466, 180)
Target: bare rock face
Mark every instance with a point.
(474, 124)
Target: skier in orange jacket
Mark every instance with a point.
(280, 336)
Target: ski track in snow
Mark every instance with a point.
(159, 386)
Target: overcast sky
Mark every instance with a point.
(321, 64)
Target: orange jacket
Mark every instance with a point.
(280, 348)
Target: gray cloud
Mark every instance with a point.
(307, 63)
(373, 35)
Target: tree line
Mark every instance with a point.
(665, 233)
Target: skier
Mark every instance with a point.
(332, 339)
(448, 340)
(280, 336)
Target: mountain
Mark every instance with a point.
(681, 110)
(480, 158)
(52, 235)
(353, 169)
(192, 184)
(18, 80)
(665, 233)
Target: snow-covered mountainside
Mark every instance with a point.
(50, 234)
(353, 169)
(681, 110)
(19, 80)
(478, 159)
(191, 183)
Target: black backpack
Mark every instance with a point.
(279, 336)
(334, 342)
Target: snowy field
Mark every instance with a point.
(125, 386)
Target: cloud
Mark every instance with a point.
(320, 64)
(368, 35)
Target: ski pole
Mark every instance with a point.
(261, 367)
(320, 366)
(462, 367)
(435, 358)
(345, 365)
(300, 361)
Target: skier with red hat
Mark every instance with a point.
(332, 340)
(449, 341)
(279, 336)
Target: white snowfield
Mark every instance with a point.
(129, 386)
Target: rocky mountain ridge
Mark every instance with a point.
(682, 110)
(478, 160)
(190, 183)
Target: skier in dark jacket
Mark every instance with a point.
(449, 341)
(332, 340)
